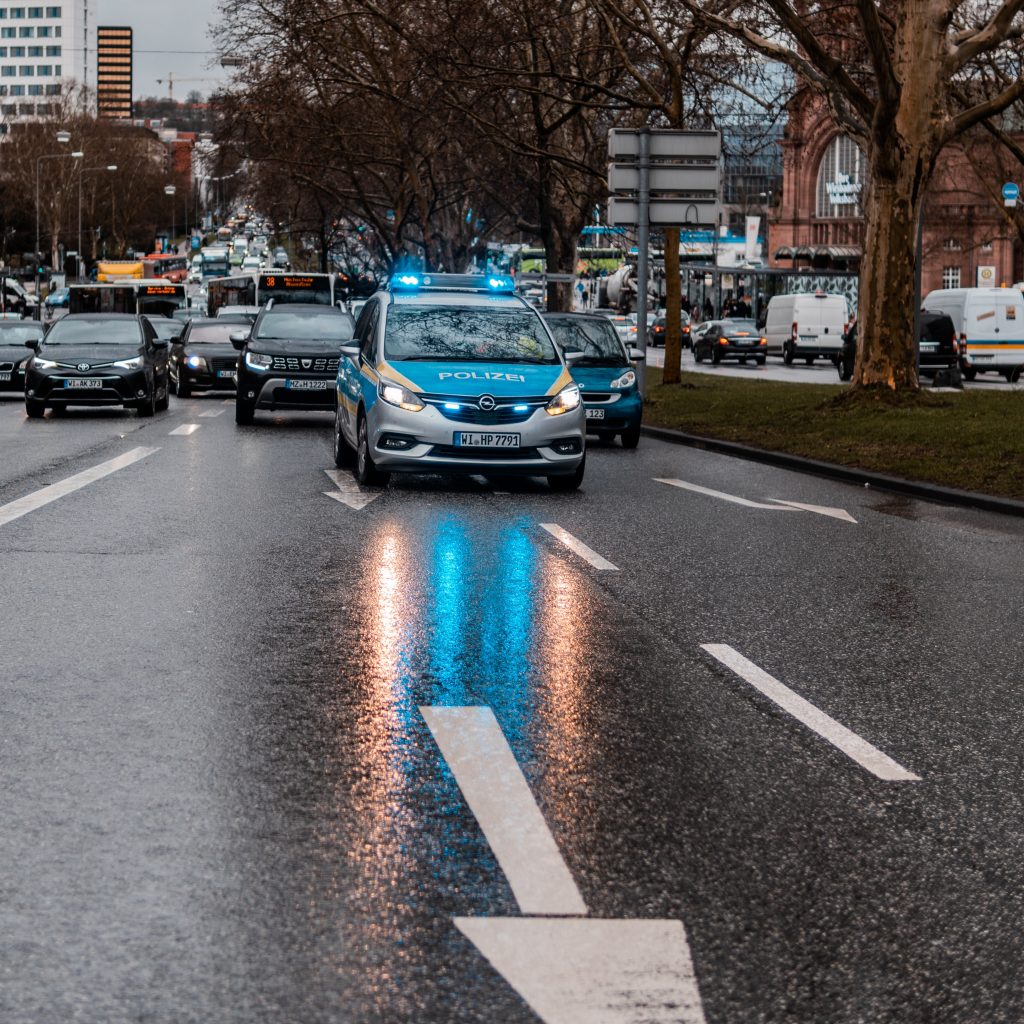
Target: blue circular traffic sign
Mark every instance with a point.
(1011, 190)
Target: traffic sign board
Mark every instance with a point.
(1011, 193)
(703, 213)
(624, 143)
(679, 179)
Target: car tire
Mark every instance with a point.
(761, 360)
(164, 401)
(366, 470)
(34, 410)
(245, 412)
(631, 437)
(183, 390)
(970, 373)
(787, 353)
(698, 356)
(563, 484)
(147, 406)
(716, 358)
(344, 454)
(845, 372)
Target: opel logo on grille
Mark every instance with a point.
(486, 402)
(82, 366)
(307, 363)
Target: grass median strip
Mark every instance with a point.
(972, 440)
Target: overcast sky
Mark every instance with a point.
(163, 25)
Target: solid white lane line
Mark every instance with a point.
(854, 746)
(22, 506)
(184, 430)
(581, 549)
(211, 412)
(697, 489)
(499, 796)
(349, 492)
(821, 510)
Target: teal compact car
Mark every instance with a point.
(602, 367)
(454, 373)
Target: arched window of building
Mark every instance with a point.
(841, 176)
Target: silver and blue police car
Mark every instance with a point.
(453, 373)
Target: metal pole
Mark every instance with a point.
(643, 240)
(39, 282)
(79, 260)
(918, 260)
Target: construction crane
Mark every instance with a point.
(170, 80)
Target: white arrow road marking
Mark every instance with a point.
(569, 970)
(581, 549)
(774, 505)
(580, 971)
(349, 492)
(499, 796)
(184, 430)
(821, 510)
(22, 506)
(854, 746)
(211, 412)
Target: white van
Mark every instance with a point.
(806, 326)
(989, 323)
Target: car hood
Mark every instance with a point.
(211, 351)
(503, 380)
(597, 378)
(94, 355)
(15, 352)
(271, 348)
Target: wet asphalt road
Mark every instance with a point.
(222, 802)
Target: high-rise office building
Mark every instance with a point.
(42, 48)
(114, 71)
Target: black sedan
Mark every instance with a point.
(203, 358)
(14, 334)
(730, 339)
(656, 332)
(97, 359)
(938, 348)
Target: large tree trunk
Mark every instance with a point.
(673, 304)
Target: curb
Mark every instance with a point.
(846, 474)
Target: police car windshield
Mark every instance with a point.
(463, 334)
(94, 332)
(304, 327)
(597, 340)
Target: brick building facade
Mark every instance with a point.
(969, 238)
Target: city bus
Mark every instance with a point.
(258, 289)
(215, 262)
(168, 265)
(154, 297)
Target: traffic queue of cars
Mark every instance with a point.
(440, 373)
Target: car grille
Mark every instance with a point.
(599, 396)
(224, 364)
(449, 451)
(469, 412)
(6, 367)
(294, 364)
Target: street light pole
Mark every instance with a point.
(170, 190)
(63, 138)
(81, 173)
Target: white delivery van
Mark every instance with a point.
(989, 323)
(806, 326)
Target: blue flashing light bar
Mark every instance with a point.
(493, 283)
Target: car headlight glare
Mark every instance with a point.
(258, 361)
(130, 364)
(565, 401)
(196, 362)
(44, 364)
(627, 380)
(395, 394)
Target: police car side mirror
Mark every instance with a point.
(635, 354)
(239, 338)
(573, 356)
(350, 351)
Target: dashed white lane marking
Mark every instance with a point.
(349, 492)
(854, 746)
(821, 510)
(499, 797)
(22, 506)
(184, 430)
(581, 549)
(773, 505)
(211, 413)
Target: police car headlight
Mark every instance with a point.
(395, 394)
(565, 401)
(258, 361)
(130, 364)
(627, 380)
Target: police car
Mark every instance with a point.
(453, 373)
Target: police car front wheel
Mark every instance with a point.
(569, 481)
(367, 472)
(344, 456)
